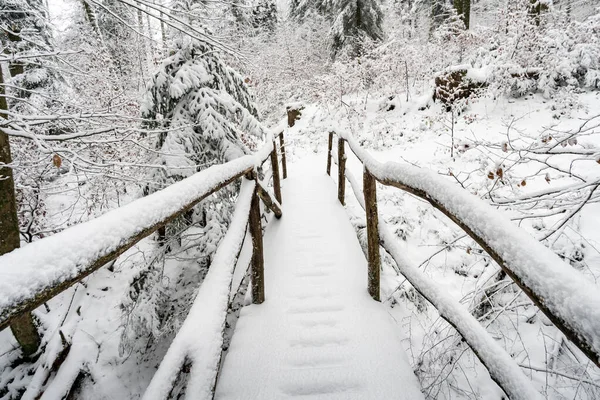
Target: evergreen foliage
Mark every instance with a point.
(353, 20)
(25, 34)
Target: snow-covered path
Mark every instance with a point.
(318, 335)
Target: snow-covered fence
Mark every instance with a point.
(34, 274)
(562, 293)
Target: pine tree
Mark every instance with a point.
(353, 20)
(206, 106)
(264, 15)
(25, 33)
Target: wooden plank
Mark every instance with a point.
(283, 160)
(258, 263)
(374, 262)
(276, 180)
(329, 148)
(341, 171)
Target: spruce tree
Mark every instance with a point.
(25, 34)
(353, 20)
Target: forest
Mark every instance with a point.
(111, 109)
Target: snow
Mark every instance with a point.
(565, 292)
(318, 334)
(200, 338)
(503, 369)
(43, 264)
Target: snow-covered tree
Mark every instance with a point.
(204, 105)
(26, 35)
(353, 21)
(264, 15)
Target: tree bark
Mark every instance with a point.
(23, 328)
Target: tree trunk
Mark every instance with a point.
(22, 327)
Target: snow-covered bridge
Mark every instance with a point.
(316, 328)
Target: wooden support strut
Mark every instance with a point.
(283, 161)
(329, 148)
(275, 167)
(341, 171)
(265, 196)
(258, 262)
(374, 261)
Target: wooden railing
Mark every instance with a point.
(32, 275)
(551, 284)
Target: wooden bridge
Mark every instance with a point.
(316, 328)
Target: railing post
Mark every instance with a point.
(283, 162)
(329, 148)
(370, 192)
(258, 263)
(275, 168)
(341, 171)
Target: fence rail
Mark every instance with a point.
(561, 293)
(34, 274)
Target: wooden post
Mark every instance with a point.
(275, 167)
(283, 162)
(258, 262)
(370, 192)
(293, 114)
(341, 171)
(22, 327)
(329, 148)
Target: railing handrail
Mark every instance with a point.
(134, 221)
(484, 225)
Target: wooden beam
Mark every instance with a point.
(341, 171)
(283, 161)
(276, 180)
(560, 323)
(329, 148)
(370, 193)
(258, 263)
(34, 301)
(271, 203)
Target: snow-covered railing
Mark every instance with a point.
(561, 293)
(34, 274)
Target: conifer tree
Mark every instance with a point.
(353, 20)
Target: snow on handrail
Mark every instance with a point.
(33, 274)
(200, 338)
(502, 368)
(563, 294)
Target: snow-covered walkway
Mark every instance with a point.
(318, 335)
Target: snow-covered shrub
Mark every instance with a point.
(524, 57)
